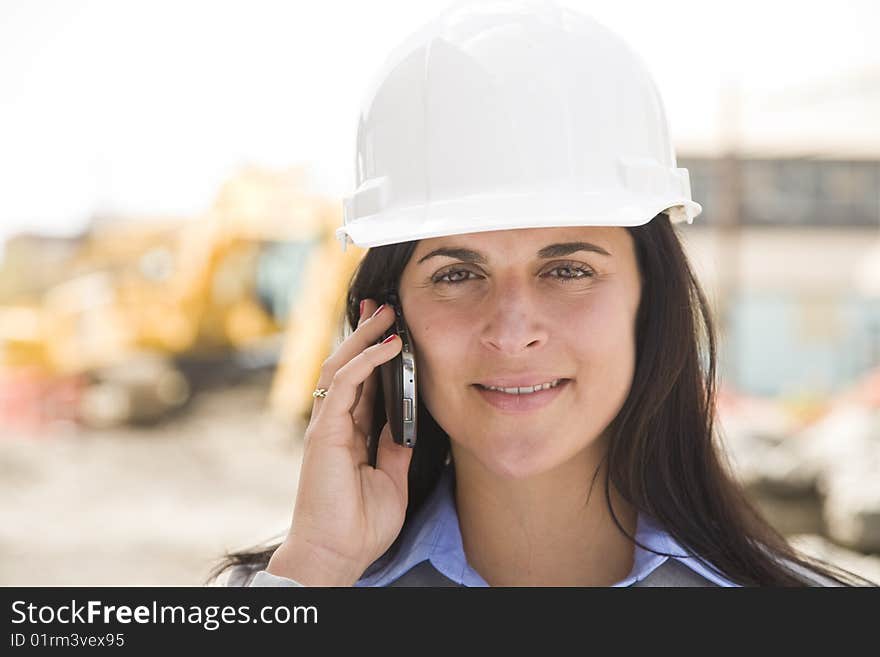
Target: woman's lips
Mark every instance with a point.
(524, 403)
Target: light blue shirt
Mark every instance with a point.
(434, 535)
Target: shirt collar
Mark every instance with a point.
(434, 535)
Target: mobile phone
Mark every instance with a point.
(399, 381)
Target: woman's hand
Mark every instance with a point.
(347, 513)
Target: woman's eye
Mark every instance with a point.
(573, 273)
(452, 276)
(565, 273)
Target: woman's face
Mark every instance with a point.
(519, 308)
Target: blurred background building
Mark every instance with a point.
(794, 256)
(169, 283)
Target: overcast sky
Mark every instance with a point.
(145, 107)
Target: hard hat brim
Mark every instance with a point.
(479, 214)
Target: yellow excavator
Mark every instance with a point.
(259, 273)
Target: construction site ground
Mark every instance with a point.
(146, 506)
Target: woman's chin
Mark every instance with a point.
(515, 461)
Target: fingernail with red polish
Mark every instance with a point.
(378, 310)
(389, 338)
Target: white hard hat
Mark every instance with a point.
(511, 114)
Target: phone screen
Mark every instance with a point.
(399, 382)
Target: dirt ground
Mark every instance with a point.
(159, 506)
(146, 506)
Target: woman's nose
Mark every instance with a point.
(514, 321)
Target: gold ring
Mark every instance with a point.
(320, 392)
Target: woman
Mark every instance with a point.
(517, 188)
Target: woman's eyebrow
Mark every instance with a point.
(550, 251)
